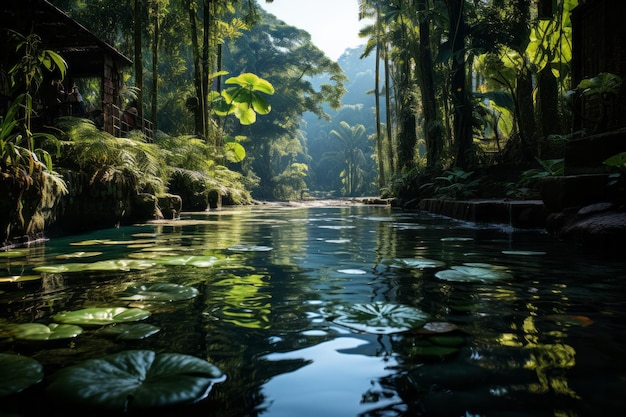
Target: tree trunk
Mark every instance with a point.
(197, 104)
(155, 65)
(462, 124)
(137, 11)
(379, 136)
(432, 131)
(388, 121)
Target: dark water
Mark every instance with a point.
(550, 341)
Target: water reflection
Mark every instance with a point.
(546, 342)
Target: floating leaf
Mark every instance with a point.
(456, 239)
(135, 379)
(102, 316)
(18, 373)
(438, 327)
(472, 274)
(78, 255)
(39, 331)
(197, 261)
(379, 317)
(523, 252)
(166, 292)
(413, 263)
(20, 278)
(133, 331)
(123, 265)
(91, 242)
(249, 248)
(16, 253)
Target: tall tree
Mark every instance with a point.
(462, 107)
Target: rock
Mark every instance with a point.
(604, 231)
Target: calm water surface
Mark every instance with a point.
(550, 341)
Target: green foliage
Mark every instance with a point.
(291, 183)
(135, 380)
(103, 156)
(453, 184)
(527, 185)
(244, 99)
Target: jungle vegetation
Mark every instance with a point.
(458, 86)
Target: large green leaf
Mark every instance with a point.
(135, 379)
(472, 274)
(413, 263)
(123, 265)
(101, 316)
(234, 152)
(159, 291)
(18, 373)
(379, 317)
(192, 260)
(39, 331)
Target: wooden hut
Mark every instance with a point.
(87, 55)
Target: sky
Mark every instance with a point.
(333, 24)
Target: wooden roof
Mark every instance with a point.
(83, 50)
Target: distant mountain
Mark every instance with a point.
(358, 107)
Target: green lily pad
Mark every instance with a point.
(74, 255)
(197, 261)
(135, 380)
(438, 327)
(472, 274)
(38, 331)
(523, 252)
(102, 316)
(123, 265)
(91, 242)
(379, 317)
(20, 278)
(413, 263)
(456, 239)
(18, 373)
(15, 253)
(249, 248)
(166, 292)
(135, 331)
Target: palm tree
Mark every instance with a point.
(352, 141)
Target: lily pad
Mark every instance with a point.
(379, 317)
(18, 373)
(249, 248)
(456, 239)
(413, 263)
(20, 278)
(523, 252)
(438, 327)
(472, 274)
(102, 316)
(134, 331)
(123, 265)
(197, 261)
(135, 380)
(166, 292)
(74, 255)
(39, 331)
(17, 253)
